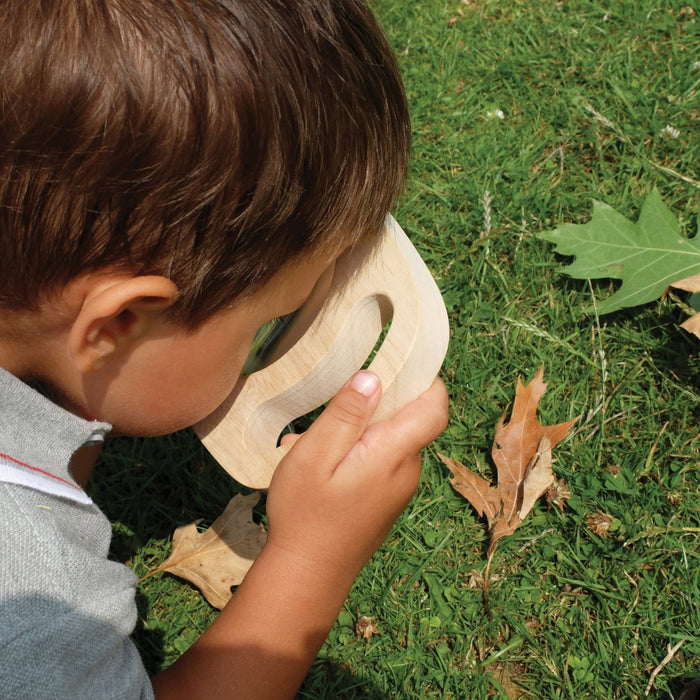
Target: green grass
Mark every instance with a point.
(586, 90)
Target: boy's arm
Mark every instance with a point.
(331, 503)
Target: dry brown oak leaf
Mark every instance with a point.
(522, 453)
(690, 284)
(219, 557)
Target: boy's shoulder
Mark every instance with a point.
(58, 590)
(38, 439)
(49, 525)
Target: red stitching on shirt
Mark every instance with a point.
(40, 471)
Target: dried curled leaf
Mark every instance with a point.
(599, 523)
(690, 284)
(218, 558)
(522, 453)
(558, 494)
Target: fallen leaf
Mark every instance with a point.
(690, 284)
(522, 453)
(692, 325)
(648, 256)
(539, 477)
(218, 558)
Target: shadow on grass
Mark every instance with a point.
(327, 680)
(145, 495)
(150, 643)
(651, 331)
(147, 487)
(676, 350)
(681, 688)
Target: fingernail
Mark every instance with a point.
(366, 383)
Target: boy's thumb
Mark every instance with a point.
(354, 404)
(340, 426)
(365, 383)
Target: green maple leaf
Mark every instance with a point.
(647, 256)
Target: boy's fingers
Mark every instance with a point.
(289, 438)
(416, 425)
(334, 433)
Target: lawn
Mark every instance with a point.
(523, 114)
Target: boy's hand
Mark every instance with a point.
(335, 496)
(331, 503)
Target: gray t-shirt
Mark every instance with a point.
(66, 611)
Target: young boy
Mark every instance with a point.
(172, 176)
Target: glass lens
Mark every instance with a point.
(265, 340)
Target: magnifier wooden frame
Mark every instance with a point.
(371, 287)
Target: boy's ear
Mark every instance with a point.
(114, 315)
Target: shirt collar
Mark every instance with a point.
(39, 436)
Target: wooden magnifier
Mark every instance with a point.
(379, 290)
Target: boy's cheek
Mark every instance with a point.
(173, 410)
(143, 404)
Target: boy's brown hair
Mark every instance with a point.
(209, 141)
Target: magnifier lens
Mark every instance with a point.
(276, 337)
(265, 341)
